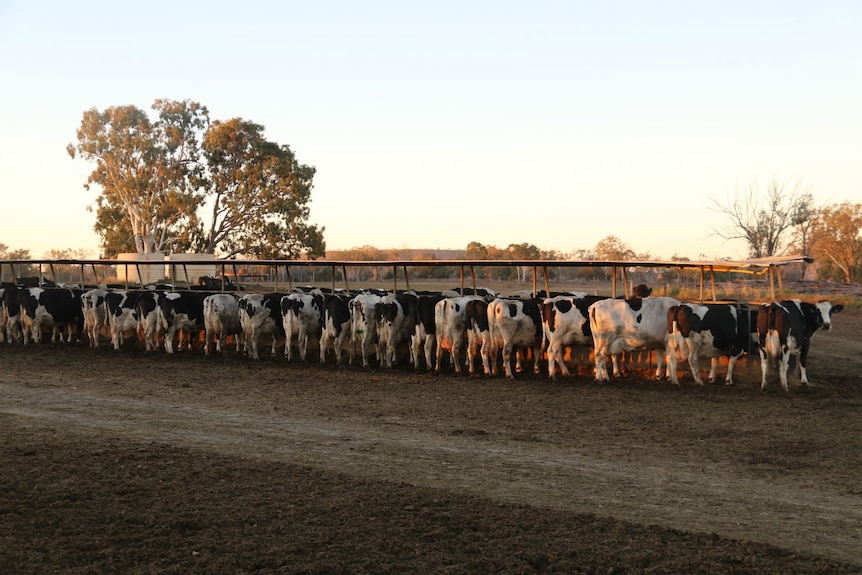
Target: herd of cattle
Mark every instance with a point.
(436, 328)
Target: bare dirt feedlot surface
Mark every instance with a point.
(127, 462)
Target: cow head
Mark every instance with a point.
(641, 291)
(823, 314)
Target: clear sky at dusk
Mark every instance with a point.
(432, 125)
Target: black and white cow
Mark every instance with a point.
(479, 337)
(260, 315)
(221, 319)
(95, 311)
(302, 316)
(450, 319)
(364, 325)
(629, 324)
(785, 328)
(51, 307)
(565, 322)
(122, 311)
(182, 315)
(424, 337)
(711, 330)
(396, 316)
(10, 316)
(515, 325)
(336, 333)
(150, 319)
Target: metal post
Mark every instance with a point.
(712, 280)
(772, 281)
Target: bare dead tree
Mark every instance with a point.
(765, 222)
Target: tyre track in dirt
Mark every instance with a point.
(688, 497)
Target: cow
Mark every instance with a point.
(182, 314)
(424, 337)
(785, 328)
(337, 326)
(364, 325)
(2, 315)
(478, 336)
(51, 307)
(260, 315)
(10, 313)
(565, 322)
(302, 315)
(621, 325)
(95, 312)
(515, 323)
(149, 319)
(485, 293)
(220, 283)
(711, 330)
(221, 319)
(122, 311)
(450, 323)
(396, 316)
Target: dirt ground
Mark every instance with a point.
(128, 462)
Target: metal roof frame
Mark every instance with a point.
(761, 266)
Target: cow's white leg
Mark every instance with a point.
(552, 358)
(537, 355)
(764, 367)
(803, 372)
(324, 343)
(507, 359)
(601, 361)
(615, 362)
(713, 369)
(430, 343)
(417, 349)
(694, 363)
(673, 367)
(303, 344)
(731, 363)
(783, 368)
(659, 362)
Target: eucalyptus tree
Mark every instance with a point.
(147, 172)
(838, 244)
(257, 195)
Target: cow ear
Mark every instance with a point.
(837, 308)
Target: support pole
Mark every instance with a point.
(406, 278)
(535, 280)
(772, 282)
(628, 289)
(712, 280)
(547, 285)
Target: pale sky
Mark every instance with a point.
(435, 124)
